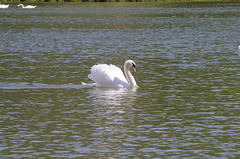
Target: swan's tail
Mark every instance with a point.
(89, 84)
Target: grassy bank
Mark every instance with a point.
(163, 1)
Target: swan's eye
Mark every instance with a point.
(133, 65)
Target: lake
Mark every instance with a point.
(188, 72)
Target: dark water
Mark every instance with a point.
(187, 69)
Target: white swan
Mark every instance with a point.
(4, 5)
(28, 6)
(111, 76)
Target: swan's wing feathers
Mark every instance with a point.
(99, 73)
(104, 74)
(116, 72)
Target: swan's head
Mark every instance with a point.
(130, 64)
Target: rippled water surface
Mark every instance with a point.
(188, 68)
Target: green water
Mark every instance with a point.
(187, 69)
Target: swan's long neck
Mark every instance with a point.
(239, 50)
(21, 5)
(129, 76)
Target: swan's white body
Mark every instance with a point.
(111, 76)
(4, 5)
(28, 6)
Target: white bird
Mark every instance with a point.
(111, 76)
(28, 6)
(4, 5)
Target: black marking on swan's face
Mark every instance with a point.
(134, 67)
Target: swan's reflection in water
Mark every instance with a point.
(114, 117)
(113, 97)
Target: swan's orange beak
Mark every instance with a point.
(134, 68)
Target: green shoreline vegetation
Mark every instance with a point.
(162, 1)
